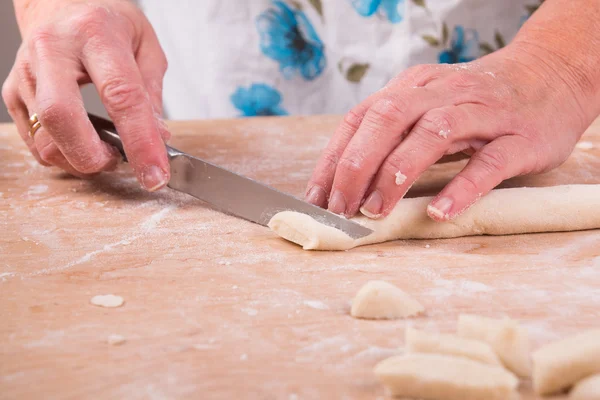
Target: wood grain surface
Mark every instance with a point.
(220, 308)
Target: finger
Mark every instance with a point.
(153, 66)
(503, 158)
(384, 126)
(319, 186)
(115, 73)
(62, 113)
(51, 154)
(439, 130)
(18, 112)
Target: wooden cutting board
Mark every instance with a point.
(219, 308)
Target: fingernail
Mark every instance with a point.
(316, 195)
(373, 205)
(154, 178)
(337, 203)
(441, 208)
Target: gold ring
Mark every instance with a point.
(34, 125)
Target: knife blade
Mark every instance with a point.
(229, 192)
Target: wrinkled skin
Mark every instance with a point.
(500, 110)
(109, 43)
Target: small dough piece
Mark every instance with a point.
(587, 389)
(382, 300)
(559, 365)
(107, 300)
(500, 212)
(400, 178)
(439, 377)
(116, 340)
(509, 340)
(450, 345)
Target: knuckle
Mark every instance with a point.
(49, 152)
(386, 111)
(121, 95)
(468, 183)
(90, 163)
(91, 22)
(329, 159)
(462, 81)
(9, 96)
(436, 125)
(491, 161)
(53, 113)
(351, 165)
(353, 119)
(42, 38)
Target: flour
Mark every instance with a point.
(316, 304)
(585, 145)
(115, 340)
(36, 190)
(445, 288)
(250, 311)
(400, 178)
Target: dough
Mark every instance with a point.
(439, 377)
(561, 364)
(505, 336)
(501, 212)
(382, 300)
(116, 340)
(450, 345)
(587, 389)
(108, 300)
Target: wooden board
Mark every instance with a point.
(219, 308)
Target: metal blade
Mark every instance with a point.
(243, 197)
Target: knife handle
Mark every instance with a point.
(108, 133)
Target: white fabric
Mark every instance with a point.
(214, 48)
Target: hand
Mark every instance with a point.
(70, 43)
(511, 111)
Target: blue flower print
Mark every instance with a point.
(464, 47)
(258, 100)
(390, 8)
(288, 37)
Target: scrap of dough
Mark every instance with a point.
(561, 364)
(108, 300)
(450, 345)
(501, 212)
(439, 377)
(400, 178)
(585, 145)
(509, 340)
(587, 389)
(382, 300)
(115, 340)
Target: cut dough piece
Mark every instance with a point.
(507, 338)
(382, 300)
(108, 300)
(561, 364)
(587, 389)
(501, 212)
(451, 345)
(439, 377)
(116, 340)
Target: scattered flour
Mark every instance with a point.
(243, 357)
(444, 133)
(585, 145)
(316, 304)
(250, 311)
(37, 190)
(116, 340)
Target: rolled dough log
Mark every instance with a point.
(439, 377)
(450, 345)
(509, 340)
(559, 365)
(501, 212)
(587, 389)
(382, 300)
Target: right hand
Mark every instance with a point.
(69, 43)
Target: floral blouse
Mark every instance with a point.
(232, 58)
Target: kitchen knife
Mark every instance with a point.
(230, 192)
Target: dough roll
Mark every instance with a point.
(501, 212)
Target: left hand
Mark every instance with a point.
(515, 112)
